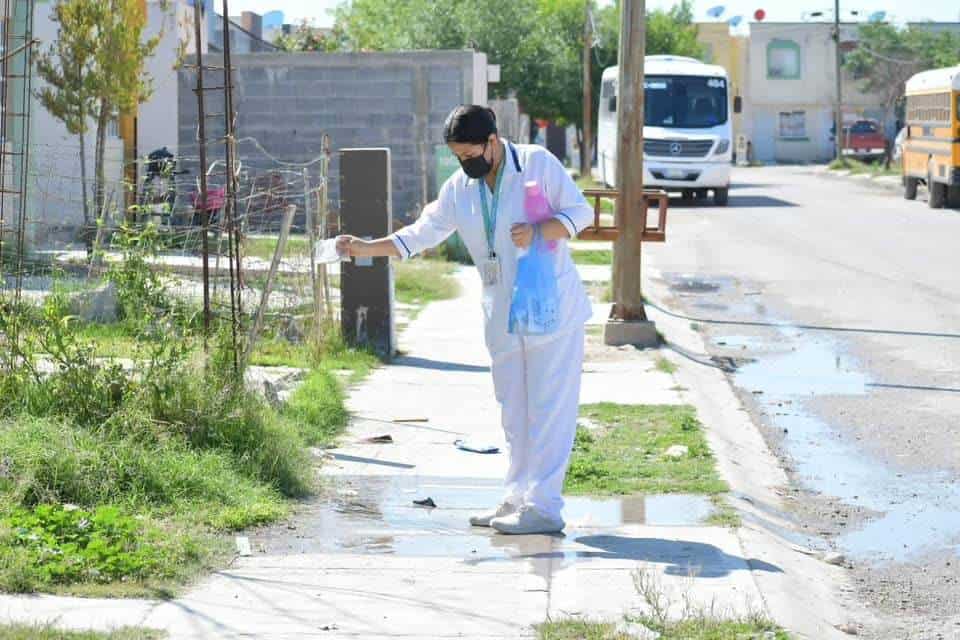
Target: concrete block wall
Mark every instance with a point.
(287, 102)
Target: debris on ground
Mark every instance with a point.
(243, 546)
(475, 447)
(836, 559)
(425, 502)
(635, 631)
(384, 439)
(677, 452)
(848, 628)
(404, 420)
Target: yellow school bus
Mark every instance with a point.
(931, 149)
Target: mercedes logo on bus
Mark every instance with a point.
(675, 148)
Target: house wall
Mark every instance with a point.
(730, 52)
(55, 191)
(287, 102)
(159, 117)
(810, 95)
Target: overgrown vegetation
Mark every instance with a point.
(593, 256)
(115, 477)
(32, 632)
(628, 454)
(857, 167)
(670, 615)
(263, 247)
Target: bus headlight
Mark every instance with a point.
(722, 147)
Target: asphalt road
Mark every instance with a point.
(838, 302)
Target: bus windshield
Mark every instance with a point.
(684, 102)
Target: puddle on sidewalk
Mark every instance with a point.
(920, 511)
(376, 515)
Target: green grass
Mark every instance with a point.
(626, 455)
(578, 630)
(593, 256)
(857, 167)
(190, 459)
(586, 182)
(419, 282)
(698, 629)
(665, 366)
(33, 632)
(723, 515)
(264, 247)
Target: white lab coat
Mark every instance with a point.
(458, 208)
(536, 378)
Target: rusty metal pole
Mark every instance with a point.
(230, 194)
(201, 204)
(586, 146)
(628, 322)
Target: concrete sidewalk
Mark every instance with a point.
(364, 562)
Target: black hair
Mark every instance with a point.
(470, 123)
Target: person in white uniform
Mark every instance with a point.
(536, 378)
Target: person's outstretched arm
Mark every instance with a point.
(435, 224)
(360, 248)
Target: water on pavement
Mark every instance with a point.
(919, 512)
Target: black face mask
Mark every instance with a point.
(477, 167)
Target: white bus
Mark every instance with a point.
(687, 133)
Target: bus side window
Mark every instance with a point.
(612, 104)
(737, 104)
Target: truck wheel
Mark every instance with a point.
(910, 188)
(938, 194)
(721, 196)
(953, 197)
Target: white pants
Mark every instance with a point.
(538, 389)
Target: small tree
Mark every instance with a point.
(886, 57)
(121, 81)
(95, 69)
(67, 67)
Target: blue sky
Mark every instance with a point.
(782, 10)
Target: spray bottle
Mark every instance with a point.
(537, 208)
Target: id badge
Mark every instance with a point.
(490, 271)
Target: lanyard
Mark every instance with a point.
(490, 213)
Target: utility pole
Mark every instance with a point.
(838, 138)
(586, 146)
(628, 322)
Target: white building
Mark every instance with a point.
(790, 91)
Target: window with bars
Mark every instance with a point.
(930, 108)
(793, 125)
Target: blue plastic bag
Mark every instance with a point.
(535, 308)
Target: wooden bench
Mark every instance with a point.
(654, 197)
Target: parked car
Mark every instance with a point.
(864, 140)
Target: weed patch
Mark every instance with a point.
(628, 454)
(593, 256)
(665, 366)
(422, 281)
(32, 632)
(263, 247)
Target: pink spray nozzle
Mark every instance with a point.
(535, 203)
(536, 206)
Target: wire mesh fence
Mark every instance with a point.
(68, 237)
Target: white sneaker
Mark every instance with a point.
(527, 520)
(483, 519)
